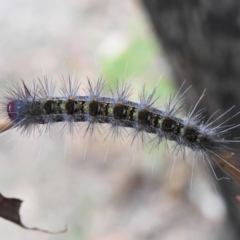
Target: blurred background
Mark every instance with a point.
(116, 191)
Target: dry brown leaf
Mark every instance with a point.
(9, 210)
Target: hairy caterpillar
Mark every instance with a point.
(40, 107)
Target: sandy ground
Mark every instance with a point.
(126, 196)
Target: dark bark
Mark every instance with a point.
(201, 40)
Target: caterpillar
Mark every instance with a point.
(39, 107)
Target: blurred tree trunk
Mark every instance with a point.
(201, 40)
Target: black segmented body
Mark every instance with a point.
(107, 110)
